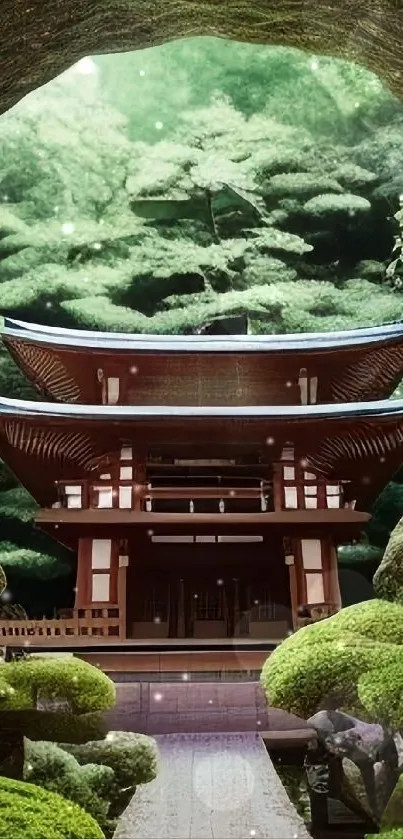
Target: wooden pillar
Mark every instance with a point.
(97, 573)
(122, 594)
(316, 571)
(181, 609)
(289, 559)
(333, 572)
(83, 575)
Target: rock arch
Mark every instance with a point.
(40, 40)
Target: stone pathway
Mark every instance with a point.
(196, 707)
(212, 786)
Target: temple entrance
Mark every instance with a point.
(208, 589)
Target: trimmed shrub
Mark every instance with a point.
(397, 833)
(133, 758)
(52, 768)
(324, 665)
(85, 687)
(28, 812)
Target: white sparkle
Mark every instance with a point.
(185, 677)
(252, 833)
(133, 370)
(314, 64)
(67, 228)
(49, 305)
(195, 596)
(159, 125)
(97, 246)
(270, 441)
(86, 66)
(157, 619)
(220, 582)
(210, 702)
(142, 72)
(157, 697)
(288, 384)
(256, 602)
(150, 533)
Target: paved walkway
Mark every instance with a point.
(198, 707)
(212, 786)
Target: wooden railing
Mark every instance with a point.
(143, 495)
(67, 629)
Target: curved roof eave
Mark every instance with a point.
(303, 342)
(18, 408)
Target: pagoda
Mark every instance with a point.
(202, 483)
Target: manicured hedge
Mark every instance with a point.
(84, 687)
(28, 812)
(52, 768)
(396, 833)
(353, 660)
(133, 758)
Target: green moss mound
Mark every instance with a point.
(333, 663)
(397, 833)
(83, 686)
(28, 812)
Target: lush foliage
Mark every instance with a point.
(84, 687)
(131, 757)
(52, 768)
(28, 812)
(333, 663)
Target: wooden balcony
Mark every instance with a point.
(73, 630)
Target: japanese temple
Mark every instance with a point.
(202, 483)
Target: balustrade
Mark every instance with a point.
(146, 498)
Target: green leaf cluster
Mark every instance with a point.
(29, 812)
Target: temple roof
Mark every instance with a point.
(77, 366)
(306, 341)
(361, 443)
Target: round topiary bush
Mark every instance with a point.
(84, 687)
(28, 812)
(346, 661)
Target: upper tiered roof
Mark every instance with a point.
(90, 367)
